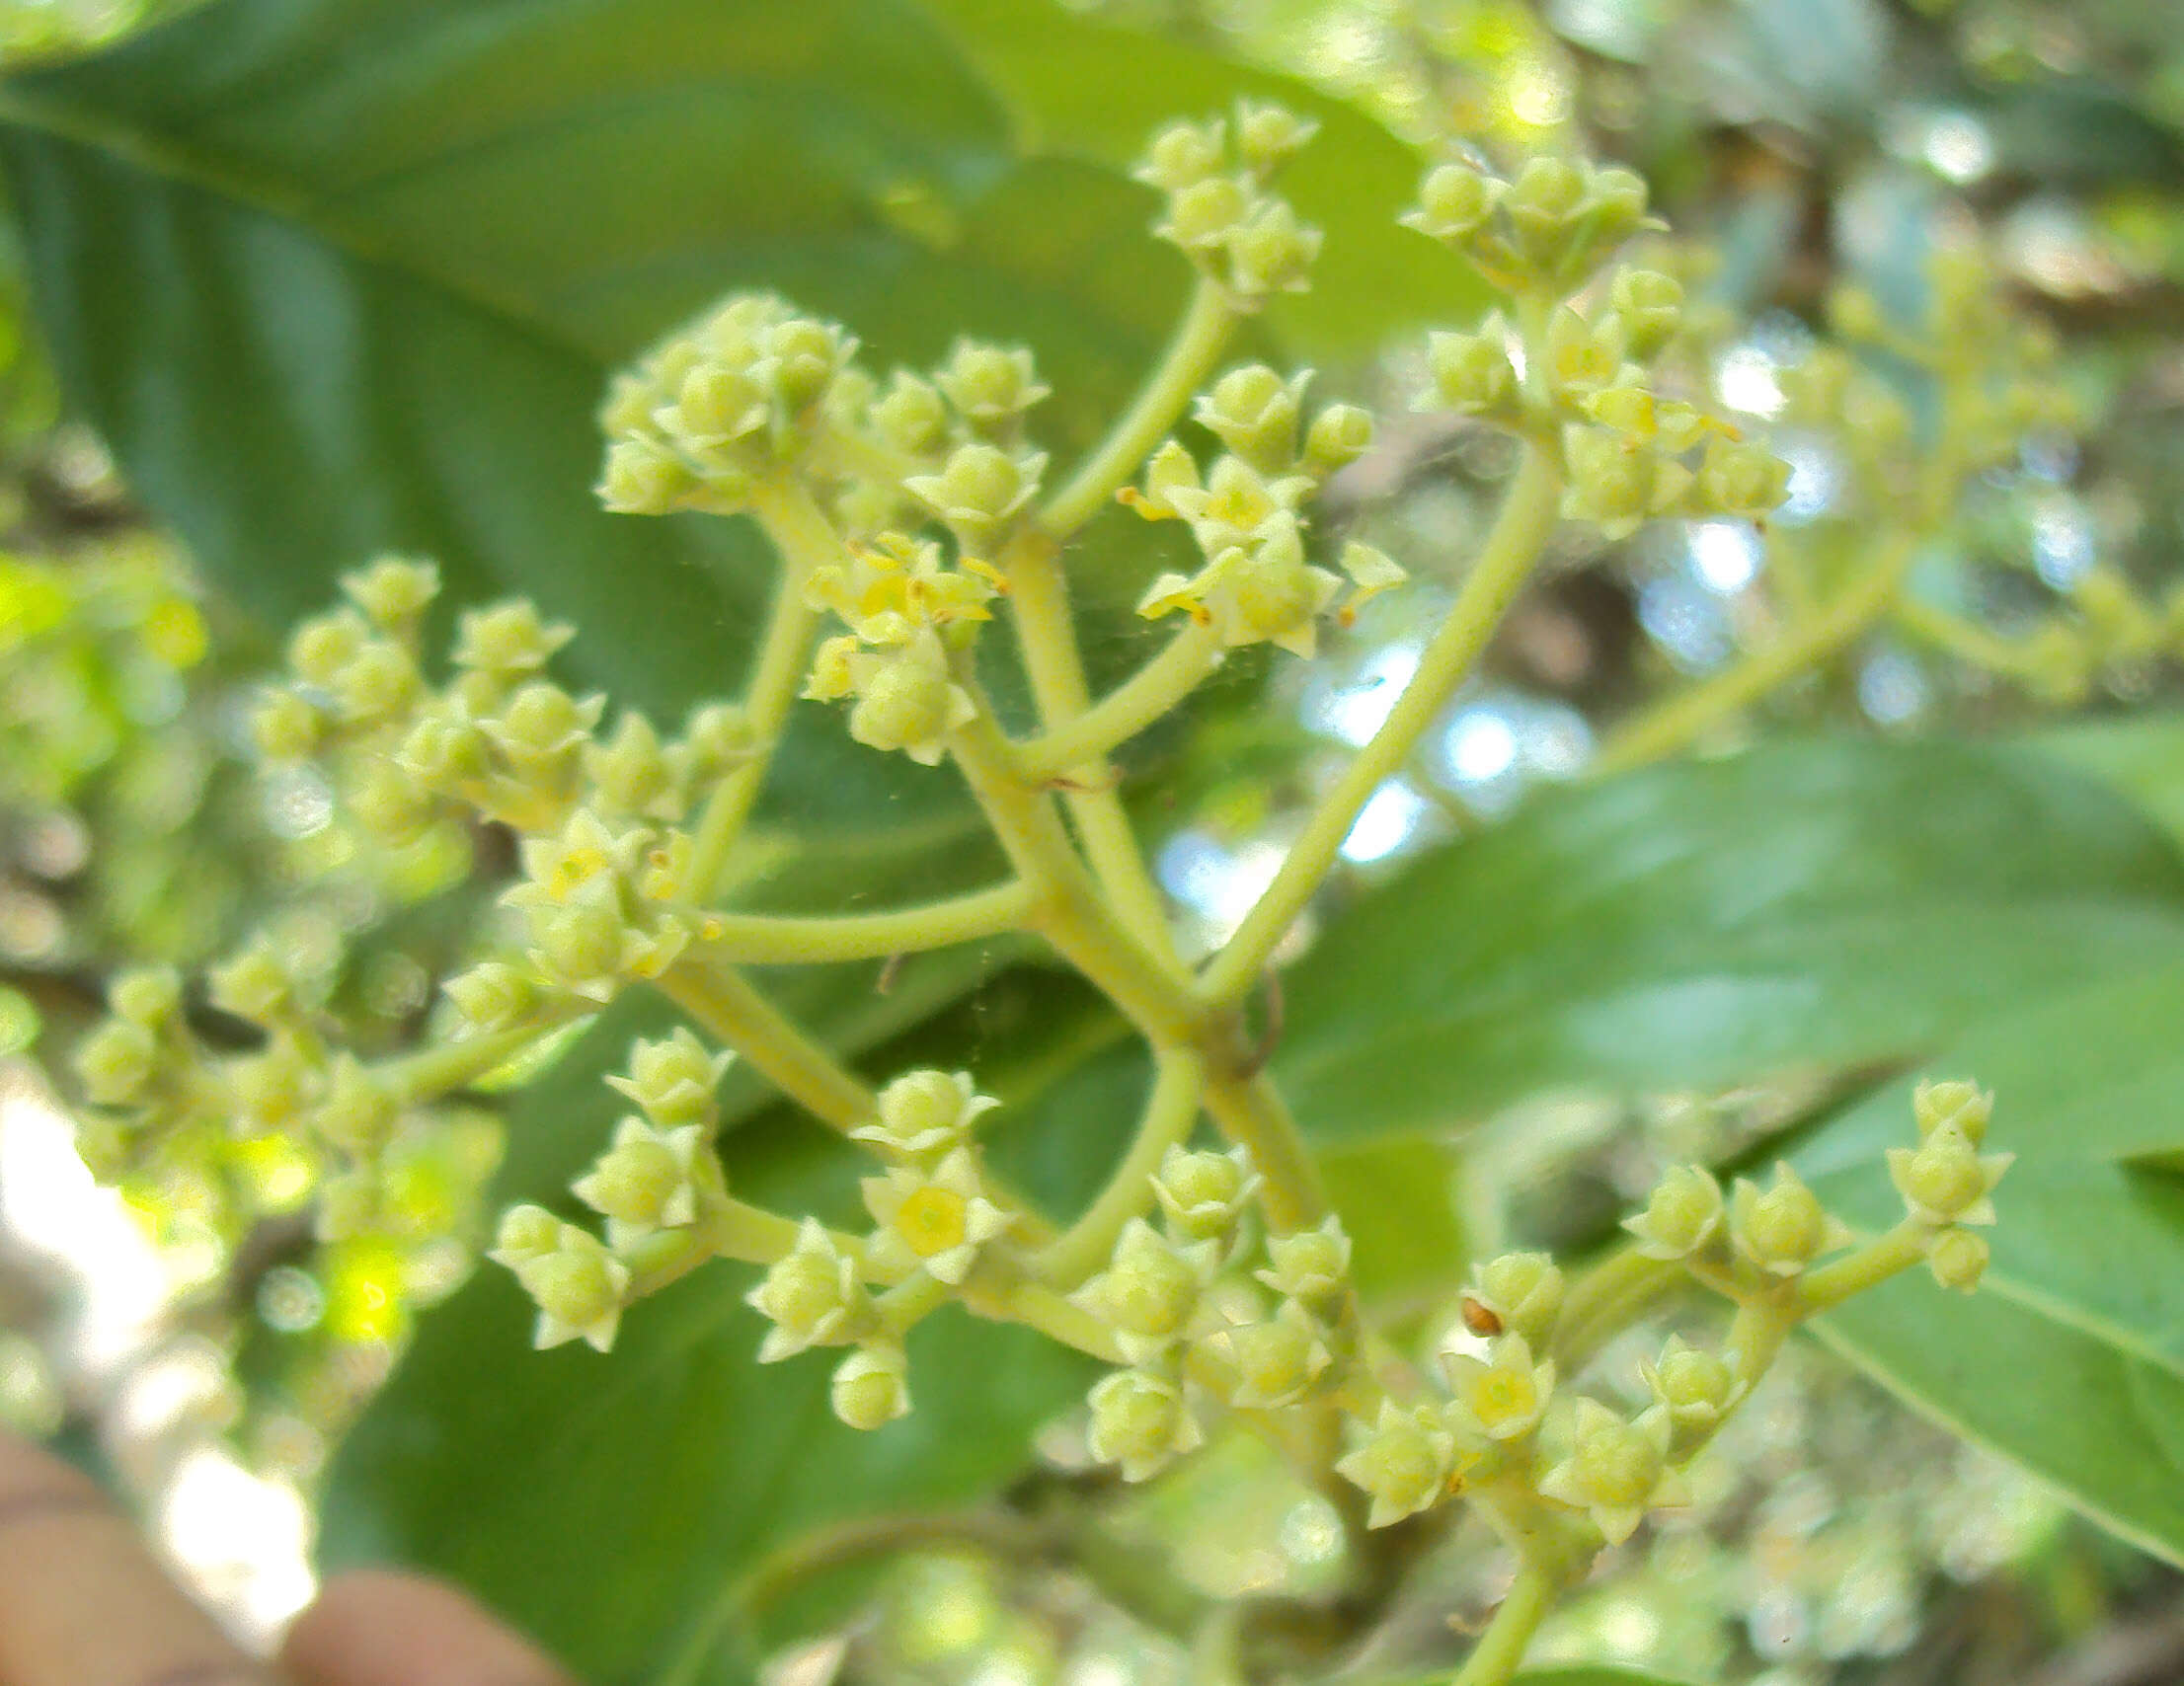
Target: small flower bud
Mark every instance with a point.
(543, 723)
(1472, 373)
(1683, 1215)
(1147, 1293)
(631, 772)
(1696, 1387)
(320, 647)
(445, 750)
(1274, 1363)
(1958, 1258)
(579, 1287)
(1616, 1469)
(1650, 307)
(285, 727)
(1616, 202)
(641, 476)
(1520, 1293)
(716, 738)
(1339, 435)
(991, 386)
(1272, 595)
(872, 1386)
(1268, 135)
(1253, 411)
(1404, 1461)
(1182, 155)
(1783, 1229)
(807, 355)
(1454, 202)
(647, 1180)
(114, 1063)
(1965, 1107)
(1271, 251)
(911, 416)
(1616, 484)
(924, 1114)
(150, 996)
(393, 592)
(389, 803)
(492, 995)
(909, 704)
(525, 1233)
(584, 942)
(252, 984)
(1139, 1421)
(811, 1296)
(1205, 1193)
(716, 404)
(508, 640)
(1946, 1180)
(978, 492)
(1202, 216)
(1547, 195)
(376, 684)
(674, 1079)
(1743, 478)
(1311, 1265)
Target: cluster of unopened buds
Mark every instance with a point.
(1212, 1281)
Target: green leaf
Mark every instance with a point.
(2141, 755)
(1077, 88)
(1702, 925)
(608, 1505)
(2070, 1357)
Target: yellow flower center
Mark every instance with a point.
(1504, 1396)
(577, 867)
(933, 1220)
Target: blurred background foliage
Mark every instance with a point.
(193, 1336)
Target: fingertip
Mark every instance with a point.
(391, 1628)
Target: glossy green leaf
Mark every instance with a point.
(610, 1504)
(2071, 1357)
(1700, 925)
(2141, 755)
(1079, 88)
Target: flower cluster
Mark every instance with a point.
(1220, 212)
(1508, 1427)
(1210, 1309)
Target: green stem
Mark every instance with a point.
(435, 1071)
(1038, 1307)
(801, 533)
(1606, 1299)
(1500, 1648)
(1250, 1111)
(1067, 909)
(1961, 637)
(1827, 1287)
(793, 939)
(1038, 602)
(722, 1001)
(1119, 715)
(1188, 358)
(1678, 720)
(1519, 532)
(1178, 1084)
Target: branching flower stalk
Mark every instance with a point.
(909, 514)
